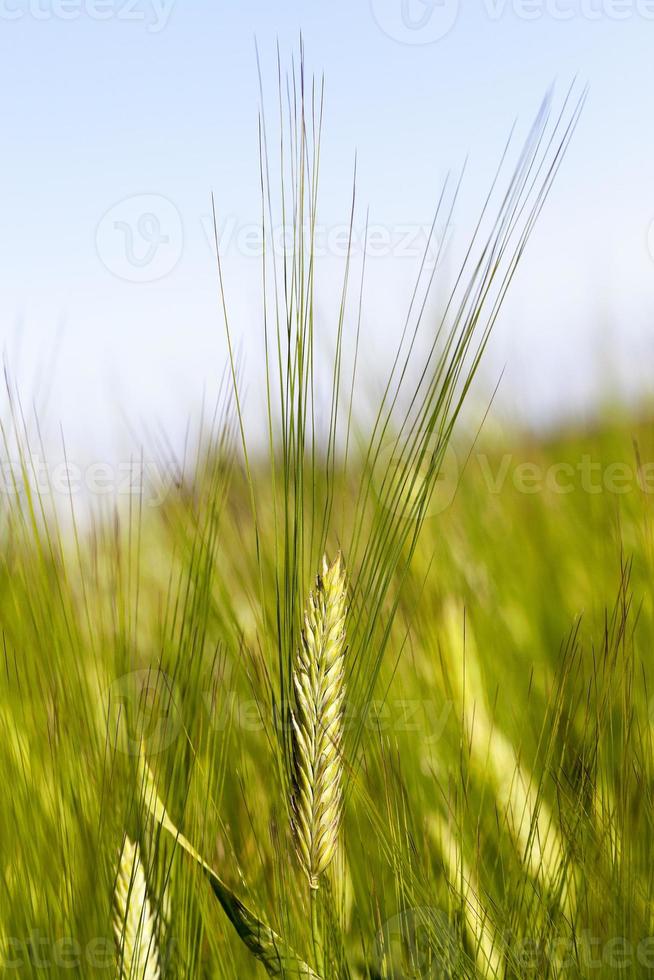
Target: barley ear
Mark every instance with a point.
(134, 922)
(317, 722)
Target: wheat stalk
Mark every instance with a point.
(317, 722)
(134, 921)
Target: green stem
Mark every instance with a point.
(316, 933)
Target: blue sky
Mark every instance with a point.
(154, 103)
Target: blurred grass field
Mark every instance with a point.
(496, 755)
(499, 809)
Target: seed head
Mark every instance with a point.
(134, 922)
(318, 688)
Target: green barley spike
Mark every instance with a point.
(134, 921)
(318, 687)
